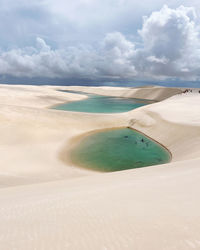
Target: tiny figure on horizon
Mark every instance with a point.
(187, 90)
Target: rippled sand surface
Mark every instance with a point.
(47, 203)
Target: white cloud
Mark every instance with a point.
(170, 47)
(171, 44)
(167, 32)
(115, 56)
(70, 22)
(155, 59)
(112, 60)
(41, 45)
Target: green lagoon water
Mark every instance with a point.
(118, 149)
(103, 104)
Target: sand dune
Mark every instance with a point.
(48, 204)
(156, 93)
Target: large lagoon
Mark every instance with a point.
(103, 104)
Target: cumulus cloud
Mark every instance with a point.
(115, 57)
(170, 47)
(171, 44)
(112, 59)
(45, 62)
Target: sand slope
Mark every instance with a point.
(145, 209)
(174, 122)
(156, 93)
(65, 207)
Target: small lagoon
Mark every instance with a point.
(118, 149)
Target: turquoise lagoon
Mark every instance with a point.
(102, 104)
(118, 149)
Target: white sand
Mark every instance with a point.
(65, 207)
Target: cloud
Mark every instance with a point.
(169, 48)
(111, 60)
(170, 44)
(114, 59)
(73, 22)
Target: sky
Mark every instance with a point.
(100, 41)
